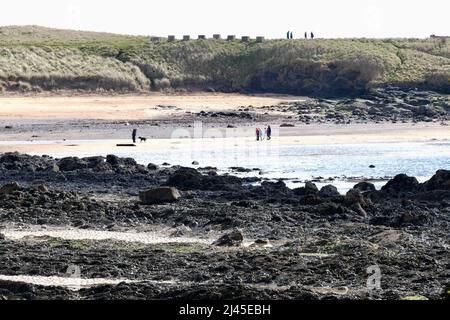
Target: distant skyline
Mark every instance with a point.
(272, 19)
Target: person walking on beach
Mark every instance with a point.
(134, 135)
(269, 133)
(261, 134)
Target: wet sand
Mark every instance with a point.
(313, 135)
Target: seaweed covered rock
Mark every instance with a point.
(309, 189)
(329, 191)
(440, 181)
(191, 179)
(9, 188)
(24, 162)
(365, 186)
(400, 184)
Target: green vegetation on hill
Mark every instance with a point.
(36, 58)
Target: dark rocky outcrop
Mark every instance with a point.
(72, 164)
(191, 179)
(440, 181)
(401, 184)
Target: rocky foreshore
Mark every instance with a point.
(380, 105)
(303, 243)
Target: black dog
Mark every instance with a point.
(142, 139)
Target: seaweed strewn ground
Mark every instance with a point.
(299, 243)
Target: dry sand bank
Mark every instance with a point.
(128, 107)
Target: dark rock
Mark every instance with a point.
(233, 238)
(113, 160)
(311, 188)
(401, 183)
(9, 188)
(354, 196)
(329, 191)
(152, 167)
(241, 170)
(440, 181)
(72, 164)
(159, 195)
(186, 178)
(191, 179)
(42, 188)
(94, 162)
(365, 186)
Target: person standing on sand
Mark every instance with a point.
(269, 133)
(134, 135)
(261, 134)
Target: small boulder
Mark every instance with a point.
(329, 191)
(365, 186)
(152, 167)
(9, 188)
(42, 188)
(311, 187)
(195, 163)
(113, 160)
(401, 183)
(185, 179)
(159, 195)
(234, 238)
(354, 196)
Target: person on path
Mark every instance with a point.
(306, 35)
(258, 133)
(134, 135)
(292, 35)
(288, 34)
(269, 133)
(312, 35)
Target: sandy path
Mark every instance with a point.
(127, 107)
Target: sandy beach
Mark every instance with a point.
(82, 124)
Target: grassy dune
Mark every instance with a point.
(36, 58)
